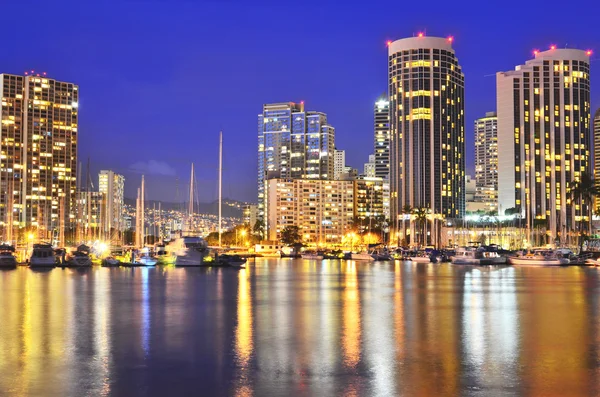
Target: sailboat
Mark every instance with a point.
(189, 249)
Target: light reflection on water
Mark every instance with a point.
(301, 327)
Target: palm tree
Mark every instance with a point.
(420, 214)
(407, 209)
(585, 189)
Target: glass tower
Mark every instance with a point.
(382, 137)
(292, 144)
(426, 94)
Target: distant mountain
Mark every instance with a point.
(230, 208)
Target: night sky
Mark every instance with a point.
(159, 79)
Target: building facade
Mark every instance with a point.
(382, 137)
(323, 210)
(369, 197)
(426, 94)
(486, 161)
(292, 143)
(250, 214)
(92, 210)
(544, 126)
(339, 163)
(597, 153)
(112, 185)
(369, 169)
(38, 142)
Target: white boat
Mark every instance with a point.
(146, 260)
(361, 256)
(470, 257)
(542, 257)
(42, 256)
(188, 251)
(420, 257)
(312, 255)
(494, 257)
(7, 257)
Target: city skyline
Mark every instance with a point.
(142, 84)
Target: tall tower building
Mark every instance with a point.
(543, 138)
(426, 89)
(597, 147)
(112, 186)
(293, 143)
(382, 137)
(486, 161)
(39, 152)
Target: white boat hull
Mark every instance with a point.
(361, 257)
(420, 259)
(538, 262)
(312, 257)
(470, 261)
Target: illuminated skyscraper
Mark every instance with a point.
(382, 137)
(39, 152)
(293, 143)
(486, 161)
(426, 94)
(339, 163)
(544, 126)
(597, 148)
(112, 185)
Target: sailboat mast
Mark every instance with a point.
(191, 200)
(142, 213)
(220, 179)
(138, 233)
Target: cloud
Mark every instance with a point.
(152, 167)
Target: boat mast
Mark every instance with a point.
(191, 200)
(137, 220)
(220, 179)
(142, 213)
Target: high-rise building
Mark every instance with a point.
(323, 210)
(293, 143)
(250, 214)
(382, 137)
(543, 138)
(486, 161)
(92, 206)
(369, 168)
(112, 185)
(339, 163)
(426, 94)
(39, 152)
(597, 149)
(368, 199)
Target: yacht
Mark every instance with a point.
(189, 250)
(42, 256)
(80, 257)
(472, 256)
(7, 256)
(312, 255)
(419, 257)
(361, 256)
(539, 257)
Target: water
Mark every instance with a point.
(284, 327)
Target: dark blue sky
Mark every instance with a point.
(159, 79)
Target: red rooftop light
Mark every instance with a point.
(535, 52)
(420, 34)
(450, 39)
(553, 47)
(389, 43)
(588, 52)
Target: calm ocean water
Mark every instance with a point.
(294, 327)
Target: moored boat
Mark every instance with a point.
(361, 256)
(230, 260)
(80, 257)
(7, 256)
(312, 255)
(189, 251)
(466, 256)
(42, 256)
(419, 257)
(541, 257)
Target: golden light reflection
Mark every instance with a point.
(244, 331)
(351, 316)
